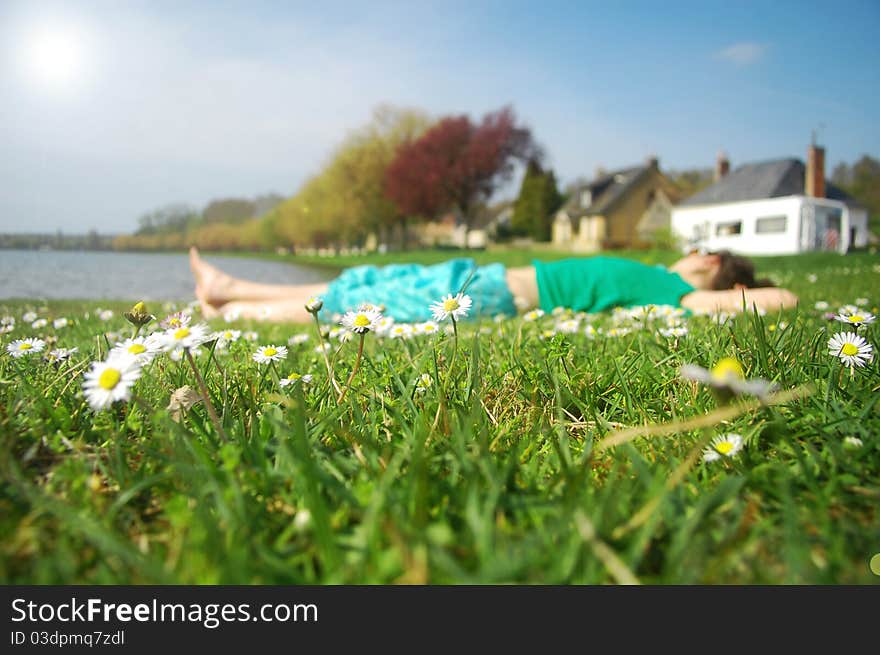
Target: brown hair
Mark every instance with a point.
(735, 269)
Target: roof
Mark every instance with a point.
(768, 179)
(605, 191)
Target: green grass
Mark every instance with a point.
(496, 475)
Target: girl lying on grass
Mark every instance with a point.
(710, 282)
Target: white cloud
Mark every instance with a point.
(742, 54)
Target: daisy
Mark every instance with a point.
(728, 377)
(383, 328)
(428, 327)
(6, 329)
(856, 318)
(591, 332)
(59, 323)
(231, 316)
(143, 349)
(251, 336)
(848, 309)
(176, 320)
(105, 314)
(424, 382)
(60, 354)
(533, 315)
(29, 317)
(225, 337)
(39, 323)
(821, 306)
(674, 331)
(297, 339)
(185, 337)
(852, 349)
(24, 347)
(293, 378)
(862, 302)
(266, 354)
(455, 306)
(7, 320)
(314, 305)
(401, 331)
(362, 320)
(569, 326)
(110, 381)
(812, 278)
(727, 445)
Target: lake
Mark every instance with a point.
(128, 276)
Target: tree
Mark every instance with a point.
(862, 182)
(458, 164)
(538, 200)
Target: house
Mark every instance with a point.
(451, 231)
(770, 208)
(621, 209)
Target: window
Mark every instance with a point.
(586, 198)
(771, 224)
(730, 228)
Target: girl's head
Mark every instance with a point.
(720, 270)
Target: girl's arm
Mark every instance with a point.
(733, 300)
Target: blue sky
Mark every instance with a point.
(160, 102)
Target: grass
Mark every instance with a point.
(560, 460)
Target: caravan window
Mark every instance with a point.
(730, 228)
(771, 224)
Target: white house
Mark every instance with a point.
(772, 208)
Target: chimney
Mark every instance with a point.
(722, 165)
(814, 184)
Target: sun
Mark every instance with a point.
(54, 57)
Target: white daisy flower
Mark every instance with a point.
(266, 354)
(675, 331)
(39, 324)
(812, 278)
(110, 381)
(225, 337)
(6, 329)
(60, 354)
(862, 302)
(105, 314)
(618, 332)
(60, 323)
(323, 348)
(362, 320)
(188, 336)
(559, 311)
(569, 326)
(424, 382)
(297, 339)
(383, 328)
(549, 333)
(314, 305)
(176, 355)
(231, 316)
(400, 331)
(852, 349)
(293, 378)
(727, 376)
(727, 445)
(7, 320)
(533, 315)
(29, 317)
(176, 320)
(251, 336)
(143, 349)
(856, 318)
(821, 306)
(428, 327)
(455, 306)
(848, 309)
(591, 332)
(25, 347)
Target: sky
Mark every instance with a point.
(109, 110)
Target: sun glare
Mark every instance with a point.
(54, 57)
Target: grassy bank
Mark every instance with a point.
(534, 455)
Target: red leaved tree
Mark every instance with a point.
(458, 164)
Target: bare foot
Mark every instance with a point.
(212, 284)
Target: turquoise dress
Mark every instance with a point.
(407, 290)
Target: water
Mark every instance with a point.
(128, 276)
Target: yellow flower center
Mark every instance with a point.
(724, 447)
(227, 335)
(450, 305)
(361, 320)
(182, 333)
(174, 322)
(849, 349)
(270, 352)
(856, 318)
(137, 349)
(429, 328)
(25, 346)
(139, 308)
(294, 377)
(109, 379)
(728, 368)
